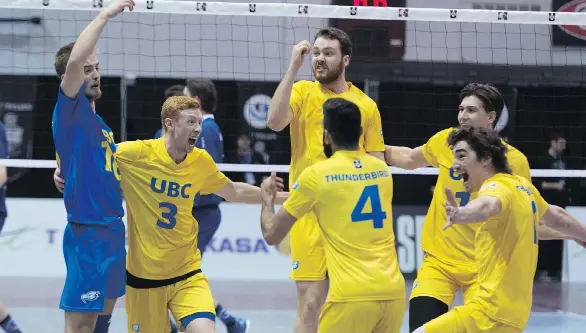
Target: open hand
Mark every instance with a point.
(451, 208)
(59, 182)
(117, 6)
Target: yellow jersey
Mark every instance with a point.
(159, 193)
(307, 99)
(351, 193)
(506, 250)
(455, 245)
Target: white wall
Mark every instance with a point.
(255, 48)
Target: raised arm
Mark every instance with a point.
(280, 112)
(405, 157)
(85, 44)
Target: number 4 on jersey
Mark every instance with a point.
(377, 215)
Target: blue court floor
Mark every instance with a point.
(270, 305)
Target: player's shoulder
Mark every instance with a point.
(362, 99)
(514, 155)
(303, 86)
(444, 134)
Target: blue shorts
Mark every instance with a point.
(208, 219)
(95, 257)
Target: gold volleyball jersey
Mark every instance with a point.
(159, 193)
(455, 245)
(506, 250)
(307, 99)
(351, 194)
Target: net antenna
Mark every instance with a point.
(197, 10)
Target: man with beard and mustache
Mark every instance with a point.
(300, 104)
(449, 263)
(351, 193)
(94, 239)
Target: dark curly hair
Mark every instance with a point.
(486, 144)
(489, 95)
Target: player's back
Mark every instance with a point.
(455, 245)
(162, 233)
(307, 99)
(84, 146)
(354, 210)
(506, 249)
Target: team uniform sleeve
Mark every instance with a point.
(373, 136)
(520, 167)
(540, 203)
(128, 152)
(433, 145)
(296, 100)
(215, 180)
(303, 196)
(497, 190)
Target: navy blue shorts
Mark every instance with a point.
(95, 257)
(208, 219)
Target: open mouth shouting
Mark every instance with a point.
(192, 140)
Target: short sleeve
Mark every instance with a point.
(215, 180)
(128, 152)
(303, 194)
(520, 166)
(434, 145)
(373, 136)
(540, 203)
(69, 111)
(497, 190)
(296, 100)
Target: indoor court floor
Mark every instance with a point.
(270, 305)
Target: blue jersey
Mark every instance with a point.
(85, 154)
(158, 133)
(212, 141)
(4, 153)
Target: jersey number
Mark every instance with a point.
(464, 198)
(168, 215)
(377, 215)
(111, 165)
(534, 211)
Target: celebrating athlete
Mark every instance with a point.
(300, 105)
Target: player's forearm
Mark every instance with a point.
(245, 193)
(547, 233)
(400, 157)
(478, 210)
(561, 221)
(278, 116)
(268, 228)
(87, 40)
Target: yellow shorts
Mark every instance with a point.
(366, 316)
(307, 250)
(442, 281)
(148, 309)
(467, 319)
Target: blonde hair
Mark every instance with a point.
(174, 105)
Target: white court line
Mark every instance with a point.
(571, 314)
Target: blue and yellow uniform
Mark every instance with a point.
(306, 103)
(506, 257)
(351, 194)
(94, 239)
(164, 264)
(449, 263)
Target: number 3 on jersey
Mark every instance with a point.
(377, 215)
(464, 198)
(169, 211)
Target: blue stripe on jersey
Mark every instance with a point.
(85, 147)
(211, 140)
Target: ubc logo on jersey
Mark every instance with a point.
(90, 296)
(296, 185)
(173, 189)
(357, 164)
(295, 264)
(136, 327)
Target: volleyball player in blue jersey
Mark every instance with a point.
(94, 239)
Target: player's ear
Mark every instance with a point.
(168, 124)
(327, 139)
(346, 60)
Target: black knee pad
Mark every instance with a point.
(423, 309)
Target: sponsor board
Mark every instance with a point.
(31, 242)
